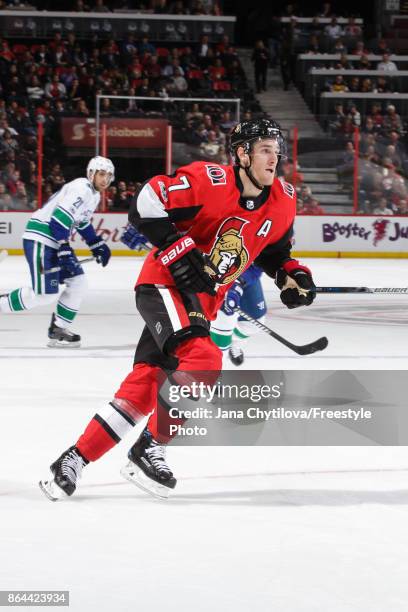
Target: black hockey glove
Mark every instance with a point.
(68, 260)
(100, 251)
(296, 283)
(187, 265)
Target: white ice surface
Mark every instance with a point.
(283, 528)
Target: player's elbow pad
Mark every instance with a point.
(58, 231)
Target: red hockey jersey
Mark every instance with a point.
(205, 201)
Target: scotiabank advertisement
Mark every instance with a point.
(121, 133)
(313, 235)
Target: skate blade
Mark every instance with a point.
(58, 344)
(52, 490)
(137, 477)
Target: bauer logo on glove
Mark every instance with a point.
(296, 284)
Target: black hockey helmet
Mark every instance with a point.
(246, 133)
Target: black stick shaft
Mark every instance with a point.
(305, 349)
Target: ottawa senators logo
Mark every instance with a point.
(229, 256)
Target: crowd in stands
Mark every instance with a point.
(383, 163)
(44, 82)
(48, 80)
(175, 7)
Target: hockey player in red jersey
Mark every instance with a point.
(208, 223)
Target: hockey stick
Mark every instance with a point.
(305, 349)
(3, 255)
(386, 290)
(58, 268)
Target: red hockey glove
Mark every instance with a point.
(187, 265)
(296, 283)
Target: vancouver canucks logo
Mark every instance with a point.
(229, 256)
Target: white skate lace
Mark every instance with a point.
(157, 456)
(236, 351)
(71, 467)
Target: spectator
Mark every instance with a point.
(366, 86)
(382, 208)
(343, 63)
(392, 121)
(376, 115)
(391, 153)
(326, 10)
(211, 147)
(8, 142)
(345, 169)
(146, 47)
(260, 57)
(35, 91)
(369, 127)
(359, 49)
(42, 56)
(178, 85)
(333, 30)
(55, 89)
(354, 85)
(382, 85)
(339, 85)
(81, 108)
(314, 45)
(100, 7)
(381, 47)
(354, 115)
(4, 125)
(386, 64)
(226, 122)
(339, 47)
(352, 29)
(6, 201)
(336, 124)
(307, 205)
(363, 63)
(393, 184)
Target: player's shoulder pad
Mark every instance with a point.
(287, 188)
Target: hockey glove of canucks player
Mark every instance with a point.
(67, 259)
(186, 264)
(100, 251)
(134, 239)
(296, 284)
(232, 299)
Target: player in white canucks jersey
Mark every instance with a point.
(46, 246)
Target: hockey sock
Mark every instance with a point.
(107, 428)
(24, 299)
(70, 300)
(221, 338)
(136, 397)
(244, 329)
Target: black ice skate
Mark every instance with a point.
(236, 354)
(147, 467)
(66, 472)
(61, 337)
